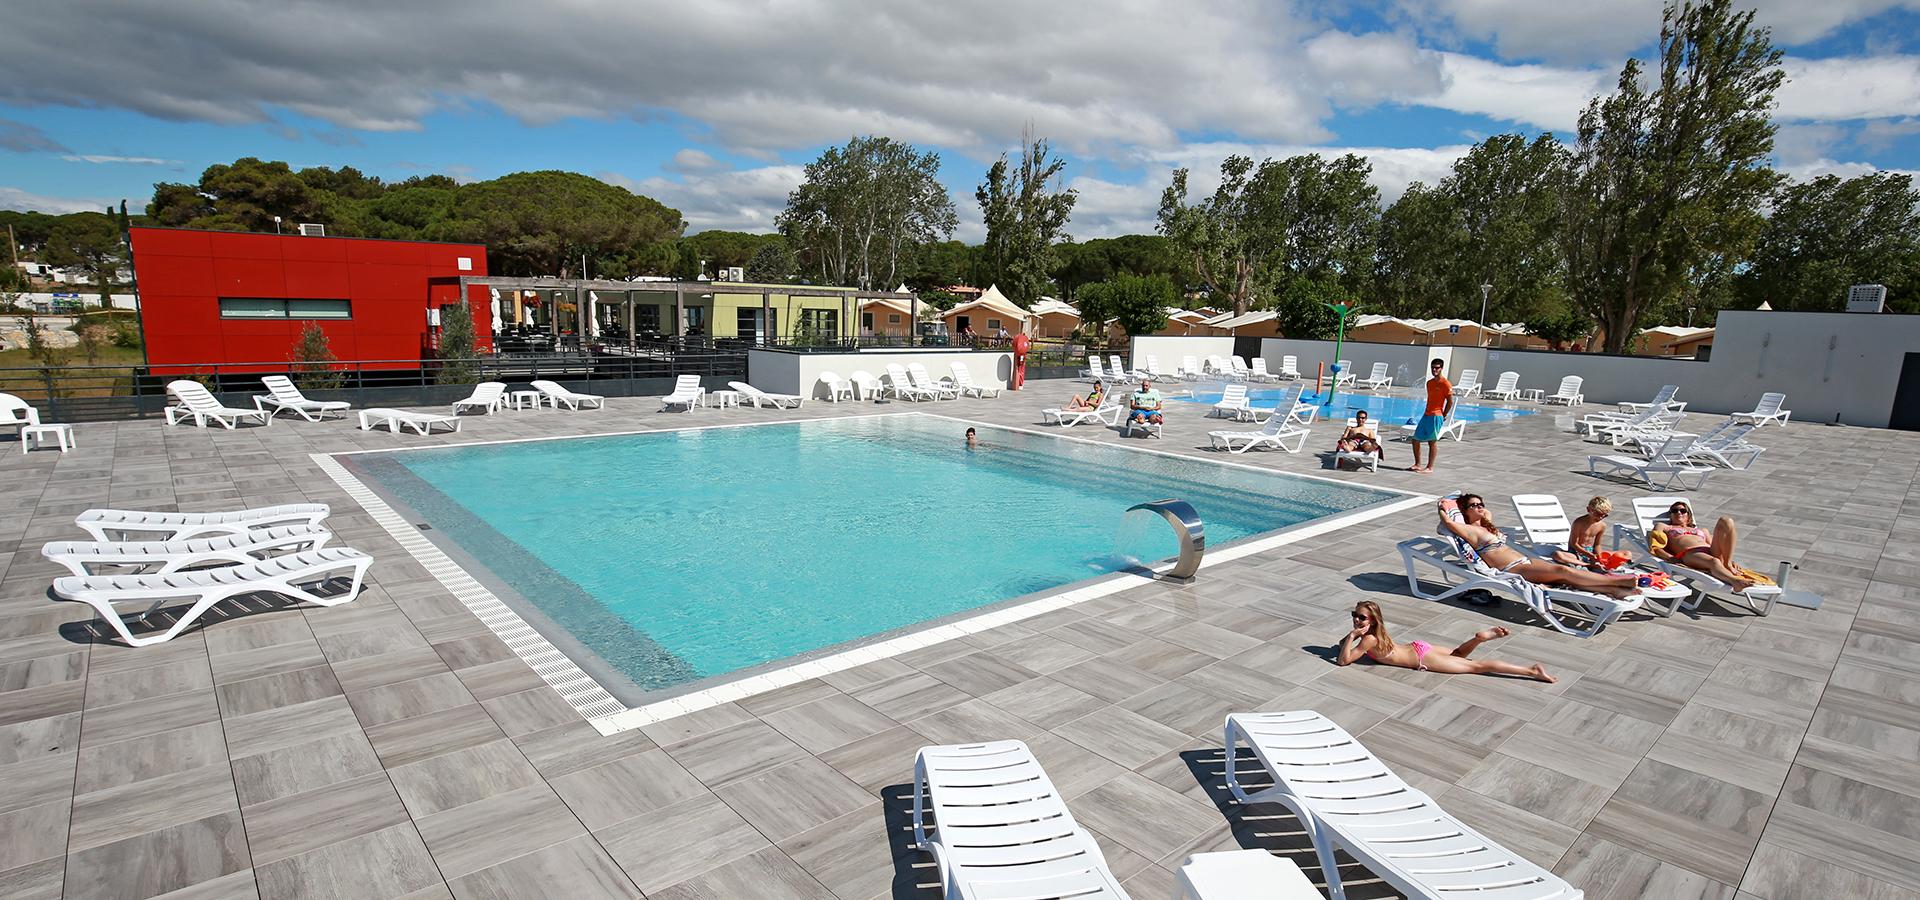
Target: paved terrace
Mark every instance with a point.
(393, 747)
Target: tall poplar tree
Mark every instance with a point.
(1026, 211)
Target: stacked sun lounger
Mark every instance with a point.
(163, 561)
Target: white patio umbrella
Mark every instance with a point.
(497, 324)
(593, 320)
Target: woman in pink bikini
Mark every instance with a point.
(1369, 639)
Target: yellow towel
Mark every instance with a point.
(1657, 542)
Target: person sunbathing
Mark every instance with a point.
(1092, 400)
(1358, 438)
(1474, 527)
(1583, 541)
(1369, 639)
(1680, 540)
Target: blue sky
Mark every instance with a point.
(714, 107)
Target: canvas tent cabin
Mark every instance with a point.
(987, 315)
(1053, 318)
(1672, 340)
(887, 316)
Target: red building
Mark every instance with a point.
(222, 297)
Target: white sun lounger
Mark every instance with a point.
(1287, 406)
(902, 387)
(1348, 800)
(1568, 392)
(1289, 367)
(1507, 388)
(132, 524)
(396, 420)
(291, 575)
(196, 403)
(1259, 371)
(1452, 425)
(1662, 401)
(1369, 461)
(1663, 469)
(687, 393)
(1108, 414)
(1116, 371)
(1233, 402)
(1239, 368)
(1001, 829)
(1094, 372)
(865, 386)
(1276, 434)
(1155, 372)
(918, 375)
(283, 395)
(837, 387)
(762, 398)
(487, 397)
(1469, 384)
(1545, 522)
(1129, 423)
(1456, 563)
(560, 396)
(85, 558)
(1378, 379)
(1768, 410)
(1190, 369)
(963, 379)
(1649, 511)
(1726, 447)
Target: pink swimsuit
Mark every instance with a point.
(1420, 649)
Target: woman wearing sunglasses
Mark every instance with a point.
(1369, 639)
(1690, 545)
(1474, 527)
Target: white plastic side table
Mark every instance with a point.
(1535, 394)
(524, 399)
(1243, 875)
(724, 399)
(38, 435)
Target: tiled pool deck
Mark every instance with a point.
(392, 747)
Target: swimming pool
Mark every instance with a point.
(675, 558)
(1384, 409)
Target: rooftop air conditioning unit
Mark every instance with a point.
(1870, 298)
(310, 229)
(735, 273)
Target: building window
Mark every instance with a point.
(646, 318)
(993, 324)
(265, 308)
(893, 318)
(819, 323)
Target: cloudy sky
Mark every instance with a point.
(714, 106)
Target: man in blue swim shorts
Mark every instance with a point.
(1439, 405)
(1145, 404)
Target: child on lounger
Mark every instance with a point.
(1369, 639)
(1092, 400)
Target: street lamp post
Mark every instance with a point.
(276, 224)
(1485, 291)
(1342, 310)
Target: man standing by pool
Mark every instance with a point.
(1145, 404)
(1439, 405)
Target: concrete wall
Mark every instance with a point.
(783, 372)
(1171, 349)
(1828, 364)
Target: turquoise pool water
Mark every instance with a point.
(679, 556)
(1387, 410)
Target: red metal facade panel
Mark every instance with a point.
(389, 284)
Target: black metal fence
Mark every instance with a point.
(102, 393)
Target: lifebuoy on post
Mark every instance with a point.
(1020, 345)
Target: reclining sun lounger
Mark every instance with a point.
(1108, 414)
(1568, 393)
(1377, 379)
(1768, 410)
(1663, 469)
(131, 524)
(1650, 511)
(1662, 401)
(487, 397)
(963, 379)
(559, 396)
(923, 380)
(1001, 829)
(1455, 563)
(1276, 434)
(294, 575)
(396, 419)
(1368, 460)
(196, 403)
(1347, 799)
(1507, 388)
(686, 393)
(1469, 385)
(1452, 426)
(760, 397)
(85, 558)
(283, 395)
(1233, 402)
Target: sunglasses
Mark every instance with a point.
(1476, 506)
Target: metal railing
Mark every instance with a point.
(98, 392)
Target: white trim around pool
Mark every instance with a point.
(609, 715)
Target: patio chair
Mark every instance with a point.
(1469, 383)
(1507, 388)
(1276, 434)
(1378, 379)
(84, 558)
(1000, 827)
(836, 386)
(1651, 511)
(1233, 402)
(1348, 800)
(865, 386)
(762, 398)
(1767, 410)
(487, 397)
(1663, 469)
(295, 575)
(397, 420)
(283, 395)
(198, 404)
(687, 393)
(133, 524)
(963, 379)
(559, 396)
(1568, 392)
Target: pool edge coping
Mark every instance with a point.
(609, 715)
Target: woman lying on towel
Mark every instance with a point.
(1369, 638)
(1681, 541)
(1468, 520)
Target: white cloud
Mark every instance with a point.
(1878, 136)
(24, 201)
(1808, 171)
(20, 137)
(1541, 96)
(1841, 88)
(734, 200)
(691, 160)
(1608, 31)
(119, 160)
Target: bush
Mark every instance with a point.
(459, 362)
(313, 360)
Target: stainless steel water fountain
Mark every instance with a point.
(1191, 532)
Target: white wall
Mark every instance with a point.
(1170, 349)
(783, 372)
(89, 300)
(1828, 364)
